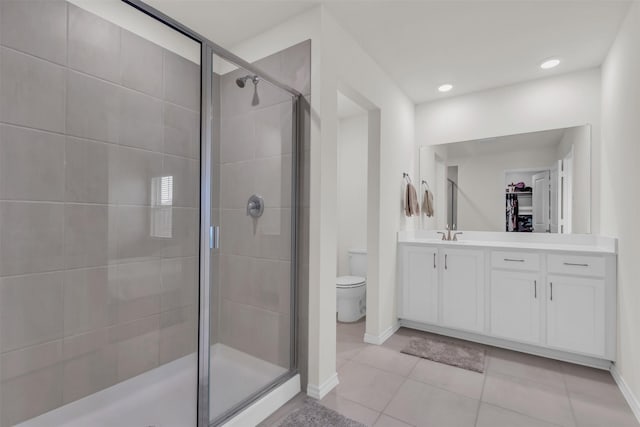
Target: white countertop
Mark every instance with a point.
(586, 243)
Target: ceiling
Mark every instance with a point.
(477, 45)
(229, 22)
(472, 44)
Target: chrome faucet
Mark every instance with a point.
(446, 236)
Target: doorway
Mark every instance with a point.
(352, 159)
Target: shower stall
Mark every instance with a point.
(149, 219)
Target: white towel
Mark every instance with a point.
(427, 203)
(411, 206)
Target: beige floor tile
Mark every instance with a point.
(366, 385)
(454, 379)
(528, 397)
(350, 409)
(348, 350)
(397, 342)
(591, 381)
(387, 421)
(493, 416)
(351, 331)
(387, 360)
(594, 411)
(525, 366)
(425, 405)
(513, 389)
(340, 361)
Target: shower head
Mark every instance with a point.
(242, 81)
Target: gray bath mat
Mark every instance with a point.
(449, 352)
(313, 414)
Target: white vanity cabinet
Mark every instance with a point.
(577, 303)
(576, 314)
(443, 286)
(515, 305)
(420, 285)
(462, 289)
(557, 303)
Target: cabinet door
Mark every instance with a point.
(420, 284)
(515, 305)
(463, 289)
(576, 314)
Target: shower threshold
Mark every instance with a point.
(166, 396)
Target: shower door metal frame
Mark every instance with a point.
(208, 49)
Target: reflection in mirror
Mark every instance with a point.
(536, 182)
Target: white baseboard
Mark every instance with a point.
(320, 391)
(631, 398)
(380, 339)
(266, 405)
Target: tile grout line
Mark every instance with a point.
(514, 410)
(395, 394)
(566, 390)
(121, 85)
(540, 383)
(391, 400)
(383, 369)
(484, 382)
(94, 140)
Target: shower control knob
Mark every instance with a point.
(255, 206)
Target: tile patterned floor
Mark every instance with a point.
(379, 386)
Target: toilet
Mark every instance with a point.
(352, 290)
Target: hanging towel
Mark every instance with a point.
(427, 203)
(411, 207)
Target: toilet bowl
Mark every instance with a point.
(351, 290)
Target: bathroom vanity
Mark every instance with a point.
(547, 294)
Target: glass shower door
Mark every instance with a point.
(253, 157)
(99, 208)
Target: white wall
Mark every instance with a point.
(338, 63)
(352, 188)
(620, 176)
(481, 185)
(556, 102)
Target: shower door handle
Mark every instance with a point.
(214, 237)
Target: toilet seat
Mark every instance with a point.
(350, 281)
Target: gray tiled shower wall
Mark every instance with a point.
(91, 293)
(254, 156)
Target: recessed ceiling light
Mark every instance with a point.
(550, 63)
(445, 88)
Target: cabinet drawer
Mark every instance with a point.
(576, 265)
(515, 260)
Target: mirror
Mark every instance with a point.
(537, 182)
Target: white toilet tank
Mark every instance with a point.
(358, 262)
